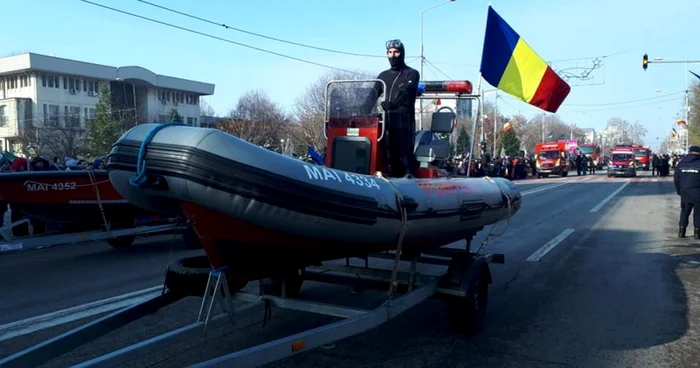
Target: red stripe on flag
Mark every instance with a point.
(551, 92)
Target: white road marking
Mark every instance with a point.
(549, 246)
(44, 321)
(608, 198)
(537, 190)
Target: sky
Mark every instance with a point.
(569, 34)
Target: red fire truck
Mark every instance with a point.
(643, 156)
(592, 150)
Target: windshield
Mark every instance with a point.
(352, 99)
(640, 152)
(622, 157)
(586, 149)
(548, 155)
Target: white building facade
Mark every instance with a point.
(47, 91)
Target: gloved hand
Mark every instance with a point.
(388, 105)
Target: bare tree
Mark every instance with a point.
(694, 115)
(309, 111)
(619, 130)
(205, 108)
(55, 140)
(257, 119)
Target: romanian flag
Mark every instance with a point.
(674, 134)
(507, 126)
(508, 63)
(437, 102)
(681, 122)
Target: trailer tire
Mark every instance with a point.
(468, 314)
(19, 230)
(121, 242)
(189, 276)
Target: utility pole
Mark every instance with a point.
(422, 58)
(495, 123)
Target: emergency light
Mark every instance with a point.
(462, 87)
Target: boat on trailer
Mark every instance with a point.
(464, 283)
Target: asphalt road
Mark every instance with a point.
(617, 290)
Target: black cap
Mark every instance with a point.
(694, 149)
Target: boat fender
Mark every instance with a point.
(140, 178)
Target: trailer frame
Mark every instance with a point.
(464, 270)
(47, 240)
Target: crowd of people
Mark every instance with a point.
(39, 163)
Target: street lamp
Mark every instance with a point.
(420, 116)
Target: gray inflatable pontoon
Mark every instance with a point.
(321, 212)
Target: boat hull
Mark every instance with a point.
(68, 197)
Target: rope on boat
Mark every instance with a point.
(93, 181)
(404, 221)
(140, 178)
(490, 234)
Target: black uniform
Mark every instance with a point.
(687, 181)
(399, 103)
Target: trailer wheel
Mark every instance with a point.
(468, 314)
(188, 276)
(19, 230)
(273, 286)
(121, 242)
(191, 239)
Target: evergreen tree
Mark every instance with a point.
(105, 130)
(510, 142)
(462, 142)
(174, 116)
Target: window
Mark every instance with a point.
(77, 84)
(97, 86)
(91, 86)
(74, 118)
(54, 115)
(190, 122)
(195, 122)
(66, 115)
(3, 116)
(43, 81)
(46, 115)
(65, 82)
(85, 85)
(90, 115)
(51, 80)
(71, 83)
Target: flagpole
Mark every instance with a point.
(476, 121)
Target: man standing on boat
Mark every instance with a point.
(400, 106)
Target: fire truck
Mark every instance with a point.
(551, 159)
(592, 150)
(643, 156)
(622, 161)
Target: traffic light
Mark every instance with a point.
(645, 62)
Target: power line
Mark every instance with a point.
(627, 102)
(436, 68)
(216, 37)
(258, 34)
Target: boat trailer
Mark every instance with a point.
(464, 285)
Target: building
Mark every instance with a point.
(590, 135)
(38, 90)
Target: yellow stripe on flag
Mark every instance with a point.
(524, 72)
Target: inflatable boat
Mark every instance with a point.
(73, 199)
(256, 210)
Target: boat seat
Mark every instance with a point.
(429, 146)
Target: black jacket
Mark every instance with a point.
(687, 179)
(402, 86)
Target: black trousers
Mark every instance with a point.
(686, 208)
(400, 140)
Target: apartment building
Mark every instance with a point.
(47, 91)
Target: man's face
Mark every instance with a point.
(393, 53)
